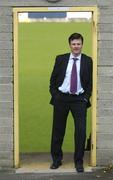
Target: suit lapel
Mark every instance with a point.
(65, 61)
(82, 64)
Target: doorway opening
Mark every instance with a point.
(36, 43)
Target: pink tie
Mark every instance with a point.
(73, 83)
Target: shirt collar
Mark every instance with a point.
(72, 56)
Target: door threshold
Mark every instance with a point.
(40, 163)
(50, 171)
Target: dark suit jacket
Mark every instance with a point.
(59, 71)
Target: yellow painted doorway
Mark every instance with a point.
(59, 50)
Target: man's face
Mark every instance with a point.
(76, 46)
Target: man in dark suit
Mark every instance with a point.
(70, 88)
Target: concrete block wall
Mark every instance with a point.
(6, 88)
(105, 86)
(105, 76)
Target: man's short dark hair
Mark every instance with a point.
(75, 36)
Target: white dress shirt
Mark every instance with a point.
(65, 87)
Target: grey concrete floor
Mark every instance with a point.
(40, 162)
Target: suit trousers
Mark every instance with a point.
(65, 103)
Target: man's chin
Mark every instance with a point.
(76, 53)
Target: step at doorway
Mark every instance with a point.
(40, 162)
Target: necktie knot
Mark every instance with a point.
(75, 59)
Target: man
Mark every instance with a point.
(70, 88)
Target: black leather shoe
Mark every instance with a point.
(55, 165)
(79, 168)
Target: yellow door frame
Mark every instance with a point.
(16, 92)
